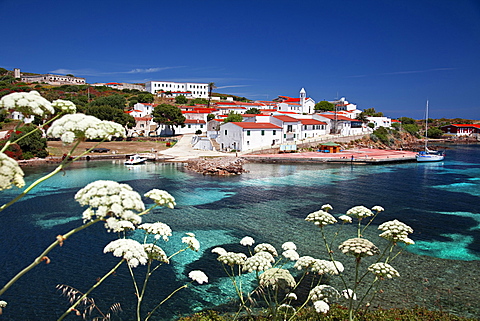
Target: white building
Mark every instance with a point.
(302, 105)
(188, 89)
(380, 122)
(248, 135)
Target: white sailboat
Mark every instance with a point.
(428, 155)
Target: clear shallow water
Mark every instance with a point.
(439, 200)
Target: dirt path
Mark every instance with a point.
(56, 148)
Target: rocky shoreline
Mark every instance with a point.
(223, 166)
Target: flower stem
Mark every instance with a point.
(90, 290)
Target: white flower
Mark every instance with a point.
(323, 267)
(321, 306)
(132, 251)
(321, 218)
(348, 294)
(285, 306)
(383, 270)
(247, 241)
(345, 218)
(155, 252)
(10, 173)
(82, 126)
(232, 258)
(292, 296)
(65, 105)
(292, 255)
(304, 262)
(116, 226)
(219, 251)
(378, 208)
(359, 247)
(266, 255)
(257, 263)
(396, 231)
(3, 304)
(191, 241)
(337, 267)
(289, 246)
(30, 103)
(359, 212)
(161, 198)
(110, 199)
(265, 247)
(198, 276)
(277, 278)
(327, 207)
(158, 228)
(323, 292)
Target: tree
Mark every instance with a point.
(168, 115)
(211, 86)
(112, 114)
(115, 101)
(434, 132)
(199, 101)
(372, 112)
(145, 98)
(181, 100)
(254, 111)
(324, 106)
(407, 120)
(362, 117)
(33, 145)
(210, 117)
(233, 117)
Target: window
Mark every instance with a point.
(263, 133)
(248, 142)
(248, 133)
(189, 126)
(274, 132)
(201, 126)
(289, 128)
(225, 132)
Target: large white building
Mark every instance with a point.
(188, 89)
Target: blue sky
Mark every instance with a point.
(389, 55)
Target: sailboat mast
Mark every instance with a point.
(426, 125)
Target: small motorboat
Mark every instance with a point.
(135, 160)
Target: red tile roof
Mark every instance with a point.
(339, 117)
(286, 119)
(251, 125)
(312, 122)
(194, 121)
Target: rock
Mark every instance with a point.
(217, 166)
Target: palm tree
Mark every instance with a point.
(211, 86)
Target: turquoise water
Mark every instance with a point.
(439, 200)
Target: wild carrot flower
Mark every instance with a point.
(132, 251)
(395, 231)
(116, 226)
(158, 228)
(232, 258)
(110, 199)
(257, 263)
(323, 292)
(383, 270)
(191, 242)
(304, 262)
(349, 294)
(327, 207)
(359, 247)
(265, 247)
(65, 105)
(292, 255)
(345, 219)
(322, 267)
(80, 126)
(10, 173)
(321, 218)
(321, 306)
(161, 198)
(155, 252)
(378, 208)
(289, 246)
(291, 296)
(198, 276)
(277, 278)
(266, 255)
(247, 241)
(359, 212)
(31, 103)
(219, 251)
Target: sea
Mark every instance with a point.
(440, 201)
